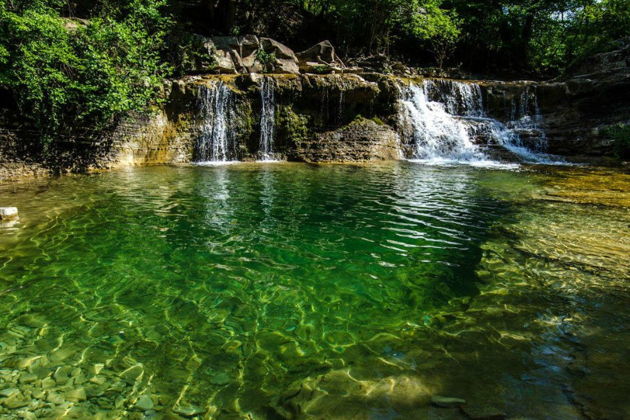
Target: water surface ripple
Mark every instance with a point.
(227, 291)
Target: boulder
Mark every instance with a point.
(241, 45)
(233, 54)
(251, 64)
(278, 49)
(322, 53)
(224, 63)
(285, 65)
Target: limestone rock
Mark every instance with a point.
(321, 54)
(280, 50)
(361, 140)
(284, 65)
(224, 61)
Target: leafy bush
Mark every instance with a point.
(267, 60)
(69, 74)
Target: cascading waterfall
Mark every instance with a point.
(437, 134)
(267, 119)
(448, 121)
(216, 141)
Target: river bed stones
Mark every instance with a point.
(8, 213)
(447, 402)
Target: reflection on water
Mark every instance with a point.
(296, 291)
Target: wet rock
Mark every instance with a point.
(8, 392)
(132, 374)
(189, 410)
(447, 402)
(61, 354)
(220, 379)
(361, 140)
(54, 398)
(62, 375)
(8, 213)
(144, 403)
(482, 413)
(96, 368)
(27, 378)
(48, 383)
(15, 401)
(27, 415)
(98, 379)
(76, 395)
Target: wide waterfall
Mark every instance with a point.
(449, 123)
(216, 143)
(267, 120)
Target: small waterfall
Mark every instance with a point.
(449, 122)
(216, 142)
(438, 134)
(267, 119)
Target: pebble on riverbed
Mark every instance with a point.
(8, 213)
(446, 402)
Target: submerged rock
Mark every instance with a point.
(447, 402)
(189, 411)
(8, 213)
(144, 403)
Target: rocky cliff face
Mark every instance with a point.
(332, 118)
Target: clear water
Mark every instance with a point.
(298, 291)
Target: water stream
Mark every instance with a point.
(267, 119)
(449, 124)
(216, 142)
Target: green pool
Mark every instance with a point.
(269, 291)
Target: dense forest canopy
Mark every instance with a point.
(69, 63)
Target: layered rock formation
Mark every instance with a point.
(336, 117)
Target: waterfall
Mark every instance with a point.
(216, 142)
(267, 119)
(448, 122)
(438, 134)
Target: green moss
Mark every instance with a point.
(360, 119)
(321, 69)
(377, 120)
(294, 125)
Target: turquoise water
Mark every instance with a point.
(226, 292)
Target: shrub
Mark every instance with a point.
(67, 75)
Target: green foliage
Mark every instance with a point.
(620, 136)
(373, 26)
(291, 125)
(69, 73)
(266, 59)
(541, 36)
